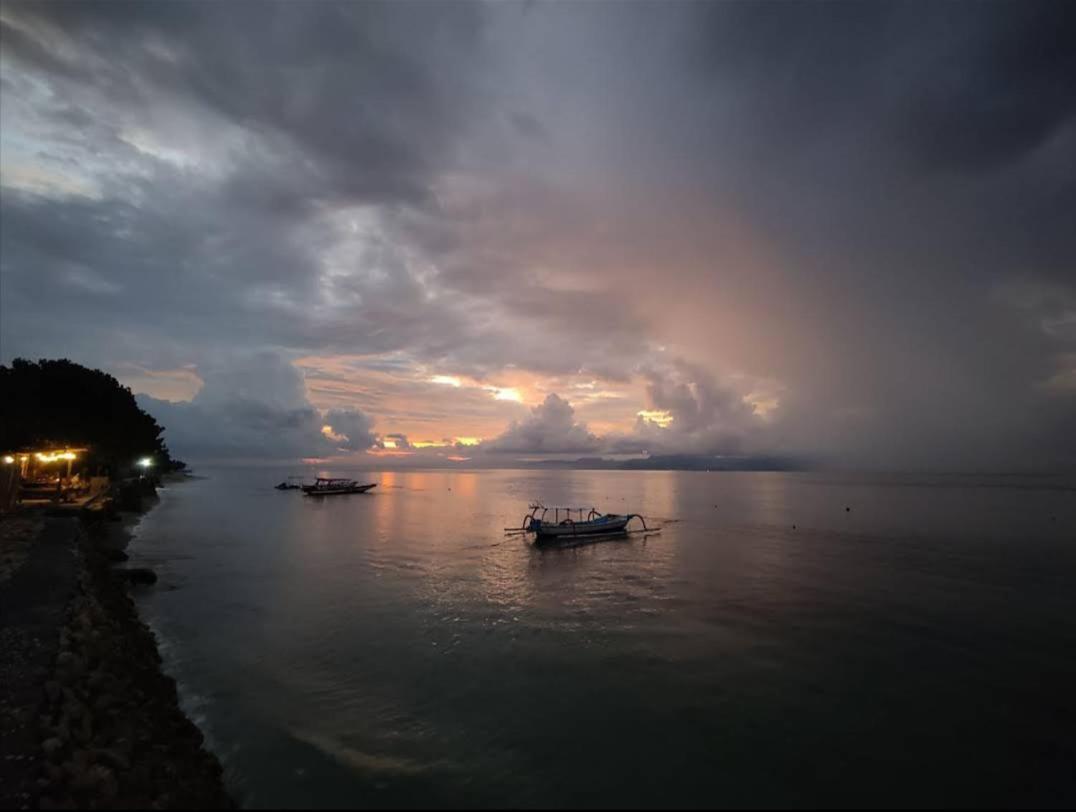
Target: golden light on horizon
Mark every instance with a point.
(505, 393)
(657, 416)
(329, 434)
(440, 408)
(389, 452)
(762, 404)
(447, 380)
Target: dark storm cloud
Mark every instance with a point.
(337, 106)
(908, 160)
(342, 81)
(859, 212)
(529, 126)
(344, 104)
(960, 86)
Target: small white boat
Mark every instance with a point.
(329, 486)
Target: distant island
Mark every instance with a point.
(682, 462)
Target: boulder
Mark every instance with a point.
(53, 748)
(94, 779)
(67, 661)
(137, 575)
(98, 680)
(112, 759)
(53, 691)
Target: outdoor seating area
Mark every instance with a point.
(59, 477)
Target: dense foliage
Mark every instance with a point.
(61, 403)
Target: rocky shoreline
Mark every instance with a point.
(110, 730)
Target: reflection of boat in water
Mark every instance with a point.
(553, 524)
(292, 483)
(328, 486)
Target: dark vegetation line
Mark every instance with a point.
(61, 403)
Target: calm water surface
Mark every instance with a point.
(396, 649)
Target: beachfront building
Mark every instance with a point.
(43, 476)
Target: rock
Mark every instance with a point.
(69, 668)
(66, 661)
(139, 780)
(53, 691)
(106, 782)
(73, 711)
(104, 702)
(111, 758)
(95, 779)
(138, 575)
(116, 555)
(87, 729)
(52, 748)
(98, 679)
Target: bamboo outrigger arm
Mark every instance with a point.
(574, 522)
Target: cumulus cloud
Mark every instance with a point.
(550, 429)
(255, 407)
(699, 415)
(349, 430)
(843, 200)
(398, 441)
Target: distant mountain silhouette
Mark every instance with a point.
(683, 462)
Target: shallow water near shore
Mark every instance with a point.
(396, 649)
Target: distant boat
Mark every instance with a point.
(290, 484)
(567, 523)
(326, 486)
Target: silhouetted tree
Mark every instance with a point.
(61, 403)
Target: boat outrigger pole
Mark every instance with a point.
(575, 522)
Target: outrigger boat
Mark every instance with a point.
(574, 523)
(290, 484)
(328, 486)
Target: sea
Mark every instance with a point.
(790, 639)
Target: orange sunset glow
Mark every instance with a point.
(634, 241)
(537, 404)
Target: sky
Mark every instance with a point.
(456, 233)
